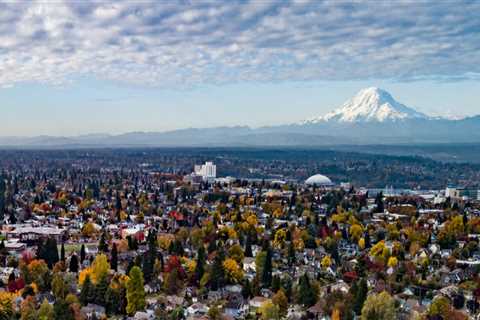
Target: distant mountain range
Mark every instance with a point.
(372, 116)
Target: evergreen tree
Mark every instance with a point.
(200, 266)
(87, 294)
(83, 254)
(62, 253)
(112, 301)
(150, 256)
(62, 310)
(48, 251)
(73, 267)
(217, 275)
(360, 296)
(135, 291)
(246, 289)
(101, 290)
(267, 269)
(292, 259)
(114, 258)
(307, 295)
(248, 246)
(103, 245)
(379, 203)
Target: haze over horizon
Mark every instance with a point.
(70, 68)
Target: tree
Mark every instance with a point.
(27, 309)
(248, 246)
(59, 288)
(200, 265)
(46, 311)
(48, 252)
(326, 262)
(83, 254)
(360, 295)
(380, 207)
(172, 282)
(6, 306)
(214, 313)
(233, 272)
(135, 291)
(101, 290)
(267, 269)
(114, 258)
(87, 293)
(73, 266)
(307, 294)
(150, 255)
(103, 245)
(62, 310)
(112, 300)
(62, 253)
(100, 267)
(281, 300)
(217, 274)
(379, 306)
(356, 231)
(269, 311)
(440, 306)
(292, 259)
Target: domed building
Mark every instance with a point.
(319, 180)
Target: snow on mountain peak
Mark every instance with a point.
(370, 105)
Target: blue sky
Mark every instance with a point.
(69, 68)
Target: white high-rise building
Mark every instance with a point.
(208, 171)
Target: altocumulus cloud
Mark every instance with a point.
(185, 43)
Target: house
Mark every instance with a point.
(257, 301)
(93, 311)
(197, 309)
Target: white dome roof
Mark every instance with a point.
(319, 180)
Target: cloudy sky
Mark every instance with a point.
(74, 67)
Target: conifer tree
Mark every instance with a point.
(103, 246)
(73, 267)
(62, 253)
(87, 293)
(101, 290)
(248, 246)
(200, 266)
(83, 254)
(114, 258)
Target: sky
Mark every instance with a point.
(79, 67)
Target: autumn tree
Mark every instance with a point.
(281, 300)
(135, 291)
(45, 312)
(379, 306)
(269, 311)
(440, 306)
(233, 272)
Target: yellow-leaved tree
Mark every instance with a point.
(233, 272)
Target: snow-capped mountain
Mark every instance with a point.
(370, 105)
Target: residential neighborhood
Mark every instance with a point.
(136, 243)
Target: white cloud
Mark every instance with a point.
(166, 44)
